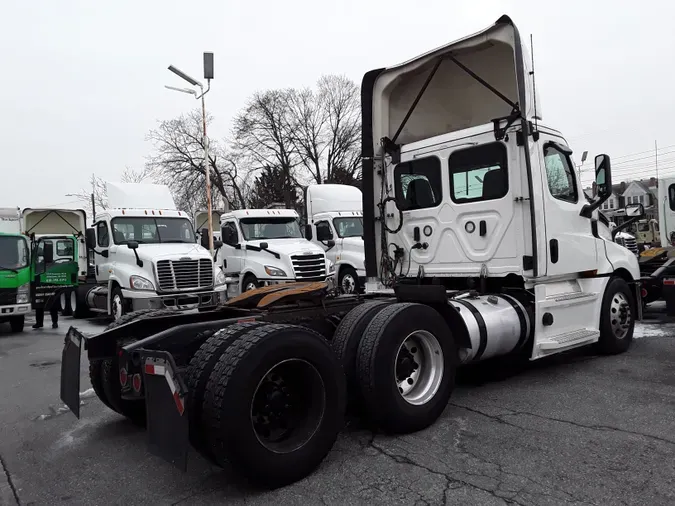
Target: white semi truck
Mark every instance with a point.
(335, 223)
(478, 243)
(263, 247)
(146, 257)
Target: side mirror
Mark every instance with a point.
(90, 235)
(603, 176)
(308, 232)
(330, 243)
(132, 244)
(204, 238)
(264, 245)
(49, 253)
(217, 244)
(323, 234)
(635, 211)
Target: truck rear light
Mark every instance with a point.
(136, 382)
(124, 377)
(643, 292)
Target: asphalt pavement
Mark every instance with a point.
(575, 429)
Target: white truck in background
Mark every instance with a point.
(146, 257)
(335, 223)
(201, 222)
(265, 246)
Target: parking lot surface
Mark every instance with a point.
(575, 429)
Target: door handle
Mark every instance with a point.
(483, 228)
(553, 243)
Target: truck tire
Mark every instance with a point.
(117, 303)
(617, 318)
(198, 372)
(16, 323)
(407, 360)
(345, 344)
(270, 372)
(64, 302)
(250, 282)
(348, 281)
(104, 374)
(78, 302)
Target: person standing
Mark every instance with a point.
(40, 316)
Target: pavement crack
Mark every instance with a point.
(608, 428)
(8, 476)
(451, 481)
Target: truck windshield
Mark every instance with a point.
(13, 253)
(349, 227)
(270, 228)
(152, 230)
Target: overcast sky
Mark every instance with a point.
(82, 82)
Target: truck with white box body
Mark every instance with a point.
(15, 274)
(262, 247)
(146, 257)
(478, 243)
(335, 223)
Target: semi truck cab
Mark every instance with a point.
(335, 223)
(265, 246)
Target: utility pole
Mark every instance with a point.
(208, 75)
(656, 159)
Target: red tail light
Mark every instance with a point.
(136, 381)
(124, 377)
(643, 292)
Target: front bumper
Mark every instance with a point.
(14, 310)
(190, 300)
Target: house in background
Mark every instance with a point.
(643, 192)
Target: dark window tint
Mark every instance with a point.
(479, 173)
(418, 183)
(230, 235)
(102, 237)
(323, 231)
(671, 197)
(560, 174)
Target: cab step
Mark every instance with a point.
(570, 340)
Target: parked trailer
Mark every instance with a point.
(477, 246)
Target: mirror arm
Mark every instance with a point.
(624, 225)
(587, 210)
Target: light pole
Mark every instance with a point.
(208, 75)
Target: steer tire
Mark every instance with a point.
(198, 372)
(615, 340)
(345, 345)
(377, 367)
(250, 365)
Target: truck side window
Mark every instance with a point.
(323, 231)
(560, 174)
(671, 197)
(479, 173)
(418, 183)
(229, 231)
(102, 237)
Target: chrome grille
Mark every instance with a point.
(180, 275)
(630, 244)
(309, 267)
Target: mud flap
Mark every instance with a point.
(70, 370)
(165, 402)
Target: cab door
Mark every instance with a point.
(230, 257)
(571, 246)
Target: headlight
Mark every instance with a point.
(23, 294)
(274, 271)
(220, 277)
(140, 283)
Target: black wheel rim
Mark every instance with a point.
(288, 405)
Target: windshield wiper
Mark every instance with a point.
(2, 268)
(177, 241)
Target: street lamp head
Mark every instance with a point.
(184, 76)
(208, 66)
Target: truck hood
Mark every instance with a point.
(167, 251)
(290, 246)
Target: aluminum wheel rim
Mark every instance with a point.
(62, 301)
(302, 422)
(348, 284)
(620, 315)
(250, 286)
(117, 307)
(73, 301)
(419, 367)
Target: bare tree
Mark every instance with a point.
(98, 189)
(178, 161)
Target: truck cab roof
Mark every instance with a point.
(259, 213)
